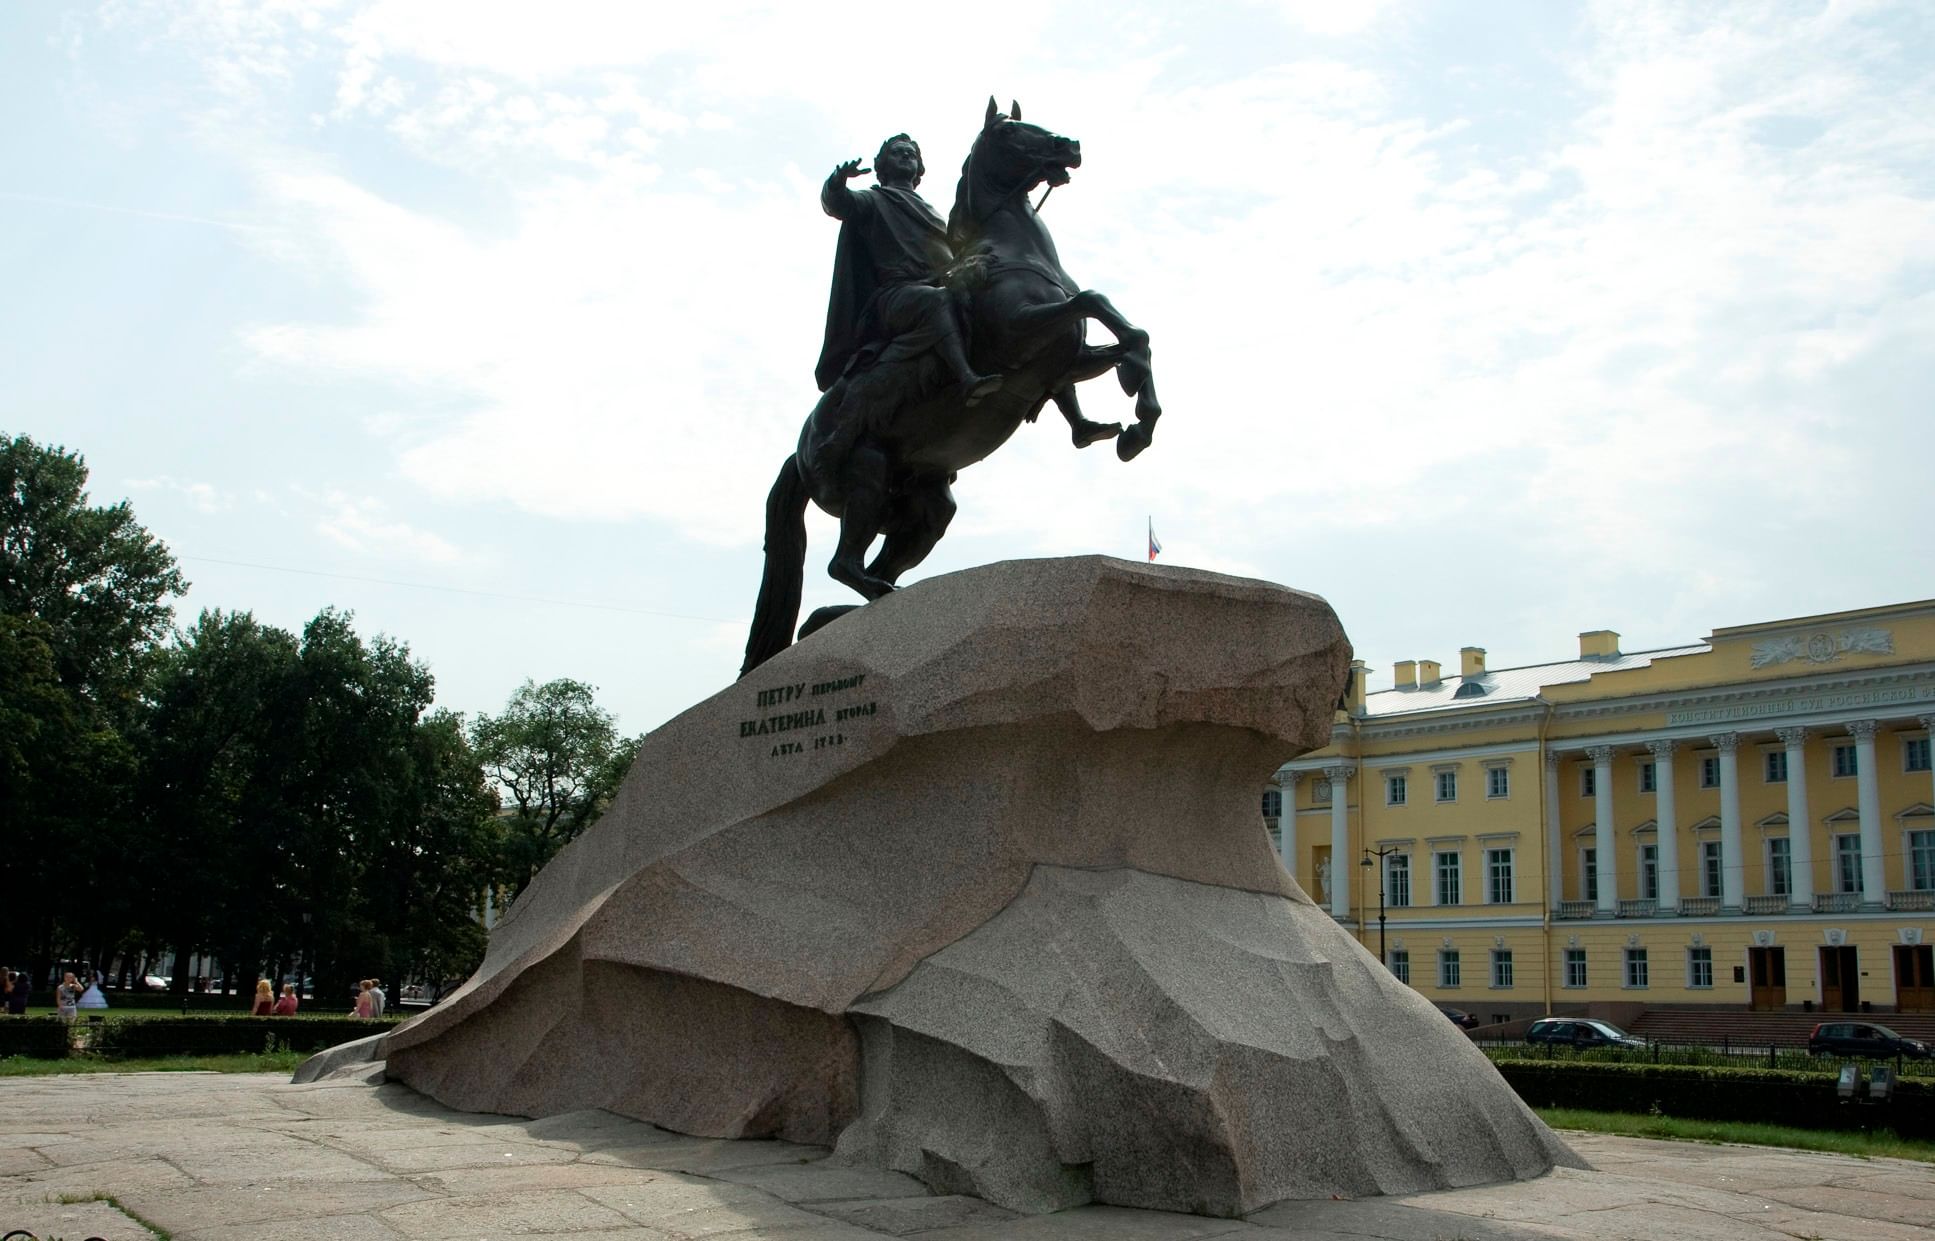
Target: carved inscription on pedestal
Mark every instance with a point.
(818, 713)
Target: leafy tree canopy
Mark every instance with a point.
(558, 757)
(94, 576)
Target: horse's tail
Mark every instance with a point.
(778, 608)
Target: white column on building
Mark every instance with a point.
(1666, 816)
(1554, 839)
(1342, 872)
(1800, 824)
(1867, 782)
(1605, 838)
(1733, 863)
(1287, 820)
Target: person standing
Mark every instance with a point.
(67, 997)
(286, 1006)
(23, 987)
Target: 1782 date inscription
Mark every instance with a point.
(801, 712)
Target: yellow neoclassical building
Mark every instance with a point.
(1746, 821)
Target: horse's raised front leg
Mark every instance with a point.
(1081, 430)
(861, 518)
(1135, 372)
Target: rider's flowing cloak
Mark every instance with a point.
(878, 223)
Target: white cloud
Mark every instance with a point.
(202, 497)
(363, 524)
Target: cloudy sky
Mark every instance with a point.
(1489, 322)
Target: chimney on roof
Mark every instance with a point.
(1354, 692)
(1598, 643)
(1404, 674)
(1471, 661)
(1429, 673)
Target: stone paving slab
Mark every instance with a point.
(215, 1157)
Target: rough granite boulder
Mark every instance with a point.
(971, 885)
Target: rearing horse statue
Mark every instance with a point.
(883, 445)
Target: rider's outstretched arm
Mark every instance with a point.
(836, 199)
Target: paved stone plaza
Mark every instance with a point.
(251, 1158)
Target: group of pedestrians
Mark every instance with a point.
(371, 999)
(15, 990)
(73, 994)
(268, 1005)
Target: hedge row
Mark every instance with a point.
(142, 1037)
(128, 1038)
(43, 1038)
(1762, 1096)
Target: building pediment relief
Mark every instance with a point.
(1821, 646)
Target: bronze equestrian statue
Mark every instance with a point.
(941, 340)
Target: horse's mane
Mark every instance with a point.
(964, 219)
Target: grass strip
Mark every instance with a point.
(257, 1062)
(1878, 1143)
(161, 1234)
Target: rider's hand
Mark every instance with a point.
(850, 170)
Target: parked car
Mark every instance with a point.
(1460, 1018)
(1581, 1032)
(1862, 1038)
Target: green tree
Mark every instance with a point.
(558, 757)
(94, 576)
(83, 605)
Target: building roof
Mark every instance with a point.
(1503, 685)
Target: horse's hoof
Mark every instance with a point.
(1095, 432)
(1132, 442)
(823, 617)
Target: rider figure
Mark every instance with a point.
(887, 303)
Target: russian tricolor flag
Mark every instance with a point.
(1154, 546)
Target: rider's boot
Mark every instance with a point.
(973, 382)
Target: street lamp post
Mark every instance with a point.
(1380, 855)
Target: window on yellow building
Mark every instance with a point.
(1447, 786)
(1498, 782)
(1847, 863)
(1498, 876)
(1448, 969)
(1501, 967)
(1842, 762)
(1776, 761)
(1648, 776)
(1396, 789)
(1699, 967)
(1636, 971)
(1575, 967)
(1272, 803)
(1914, 754)
(1921, 861)
(1401, 965)
(1710, 771)
(1649, 872)
(1397, 880)
(1709, 868)
(1449, 887)
(1589, 874)
(1588, 781)
(1780, 867)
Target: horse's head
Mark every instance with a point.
(1009, 158)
